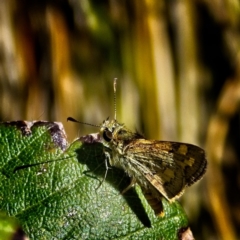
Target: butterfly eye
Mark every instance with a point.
(107, 135)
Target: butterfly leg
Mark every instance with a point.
(133, 181)
(107, 157)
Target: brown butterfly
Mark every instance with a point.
(161, 168)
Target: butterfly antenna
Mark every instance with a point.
(74, 120)
(115, 90)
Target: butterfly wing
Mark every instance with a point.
(166, 167)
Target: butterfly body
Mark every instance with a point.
(161, 168)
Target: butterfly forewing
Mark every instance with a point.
(167, 166)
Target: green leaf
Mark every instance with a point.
(52, 188)
(10, 228)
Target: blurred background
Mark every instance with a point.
(178, 69)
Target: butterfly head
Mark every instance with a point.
(109, 131)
